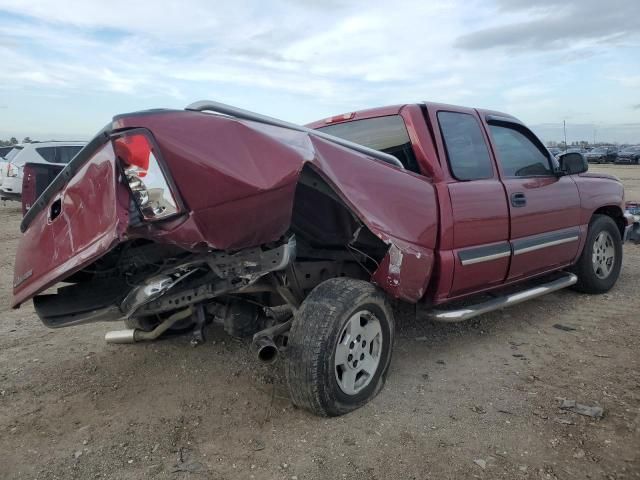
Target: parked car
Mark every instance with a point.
(5, 150)
(629, 155)
(555, 151)
(4, 162)
(602, 155)
(53, 154)
(304, 237)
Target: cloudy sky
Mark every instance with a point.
(67, 67)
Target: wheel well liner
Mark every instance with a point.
(323, 216)
(615, 212)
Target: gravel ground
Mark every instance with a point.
(475, 400)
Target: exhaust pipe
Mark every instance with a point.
(265, 349)
(121, 336)
(264, 344)
(133, 335)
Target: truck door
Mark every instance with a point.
(481, 249)
(544, 208)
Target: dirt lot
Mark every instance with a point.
(476, 400)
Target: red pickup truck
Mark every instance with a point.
(306, 237)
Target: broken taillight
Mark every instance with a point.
(145, 177)
(12, 171)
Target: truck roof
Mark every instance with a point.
(395, 110)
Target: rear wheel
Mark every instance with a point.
(339, 347)
(599, 265)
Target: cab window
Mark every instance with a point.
(467, 151)
(518, 155)
(387, 134)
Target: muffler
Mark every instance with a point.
(133, 335)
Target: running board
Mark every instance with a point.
(501, 302)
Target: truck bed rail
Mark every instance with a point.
(217, 107)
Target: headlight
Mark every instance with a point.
(145, 176)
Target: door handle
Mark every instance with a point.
(518, 199)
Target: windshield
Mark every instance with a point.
(600, 150)
(632, 149)
(12, 154)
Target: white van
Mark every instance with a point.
(53, 153)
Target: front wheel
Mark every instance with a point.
(339, 347)
(599, 265)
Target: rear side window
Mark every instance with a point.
(387, 134)
(58, 154)
(48, 153)
(13, 154)
(518, 154)
(65, 154)
(466, 149)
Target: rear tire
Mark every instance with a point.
(598, 267)
(339, 347)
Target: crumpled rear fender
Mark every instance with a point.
(238, 181)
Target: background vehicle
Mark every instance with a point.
(575, 150)
(4, 162)
(50, 155)
(555, 151)
(5, 150)
(602, 155)
(629, 155)
(306, 238)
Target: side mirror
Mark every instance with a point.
(572, 163)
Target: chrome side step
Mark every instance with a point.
(471, 311)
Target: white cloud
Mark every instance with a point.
(303, 59)
(630, 81)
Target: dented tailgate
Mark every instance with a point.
(80, 223)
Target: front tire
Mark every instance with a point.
(339, 347)
(599, 265)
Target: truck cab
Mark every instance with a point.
(508, 212)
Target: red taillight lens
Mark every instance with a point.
(340, 118)
(134, 150)
(11, 170)
(145, 177)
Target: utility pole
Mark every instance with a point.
(595, 129)
(564, 126)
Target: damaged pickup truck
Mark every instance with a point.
(305, 238)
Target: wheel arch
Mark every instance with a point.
(616, 214)
(403, 268)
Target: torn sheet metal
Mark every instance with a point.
(405, 271)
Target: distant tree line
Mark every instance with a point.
(14, 141)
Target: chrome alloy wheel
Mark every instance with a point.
(603, 255)
(357, 354)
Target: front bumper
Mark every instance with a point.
(11, 188)
(16, 197)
